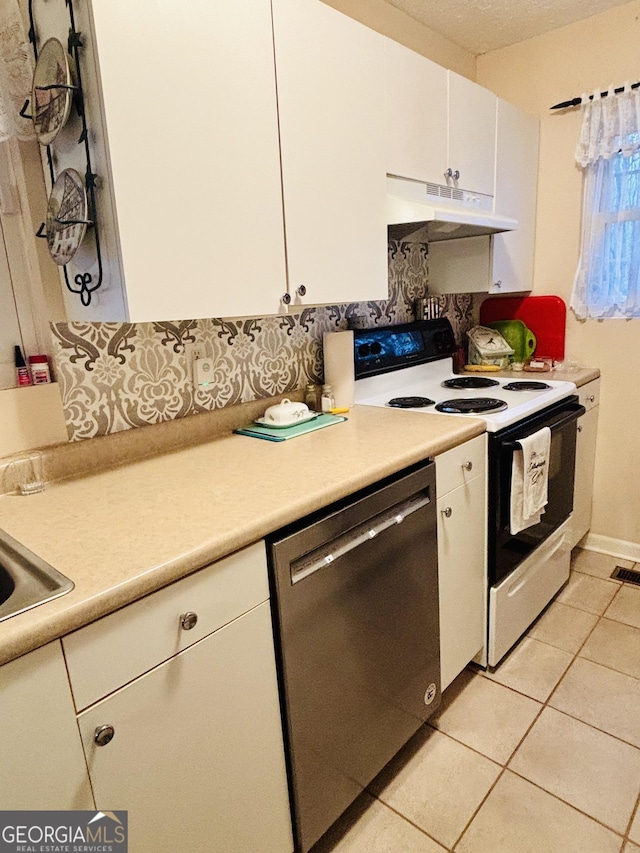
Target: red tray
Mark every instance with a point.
(546, 316)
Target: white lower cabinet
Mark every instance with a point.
(193, 747)
(42, 762)
(589, 396)
(461, 483)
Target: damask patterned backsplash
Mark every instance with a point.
(115, 376)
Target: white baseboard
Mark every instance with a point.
(613, 547)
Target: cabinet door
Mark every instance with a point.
(585, 466)
(330, 75)
(416, 93)
(515, 195)
(42, 762)
(472, 134)
(460, 266)
(197, 756)
(461, 576)
(190, 110)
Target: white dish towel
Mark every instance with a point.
(530, 480)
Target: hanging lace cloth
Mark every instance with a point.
(607, 281)
(16, 73)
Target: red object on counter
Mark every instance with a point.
(39, 368)
(22, 371)
(546, 316)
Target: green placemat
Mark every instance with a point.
(283, 433)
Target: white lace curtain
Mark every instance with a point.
(16, 73)
(607, 281)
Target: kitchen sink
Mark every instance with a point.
(25, 580)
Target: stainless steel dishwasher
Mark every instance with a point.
(355, 597)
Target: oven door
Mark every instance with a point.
(507, 551)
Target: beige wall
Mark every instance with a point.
(31, 417)
(395, 24)
(536, 74)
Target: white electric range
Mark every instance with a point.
(387, 374)
(410, 366)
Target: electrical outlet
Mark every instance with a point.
(203, 370)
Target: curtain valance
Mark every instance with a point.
(609, 126)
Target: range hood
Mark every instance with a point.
(427, 213)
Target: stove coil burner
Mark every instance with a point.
(471, 405)
(469, 382)
(410, 402)
(526, 386)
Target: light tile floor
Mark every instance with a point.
(540, 756)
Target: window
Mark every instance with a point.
(607, 282)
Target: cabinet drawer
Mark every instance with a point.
(589, 394)
(461, 464)
(116, 649)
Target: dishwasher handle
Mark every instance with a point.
(329, 552)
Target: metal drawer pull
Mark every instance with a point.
(188, 620)
(354, 538)
(579, 427)
(468, 465)
(447, 512)
(591, 398)
(103, 735)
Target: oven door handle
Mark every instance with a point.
(560, 420)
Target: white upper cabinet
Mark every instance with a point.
(190, 111)
(416, 96)
(441, 127)
(472, 135)
(518, 137)
(330, 80)
(242, 149)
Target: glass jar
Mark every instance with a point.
(312, 397)
(328, 401)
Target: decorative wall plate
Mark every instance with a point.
(66, 216)
(52, 92)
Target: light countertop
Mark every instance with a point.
(578, 375)
(124, 532)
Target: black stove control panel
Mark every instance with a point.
(386, 348)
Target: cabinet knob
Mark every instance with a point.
(579, 427)
(498, 283)
(103, 735)
(451, 174)
(286, 299)
(468, 465)
(188, 620)
(301, 290)
(447, 512)
(591, 398)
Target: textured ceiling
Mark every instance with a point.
(484, 25)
